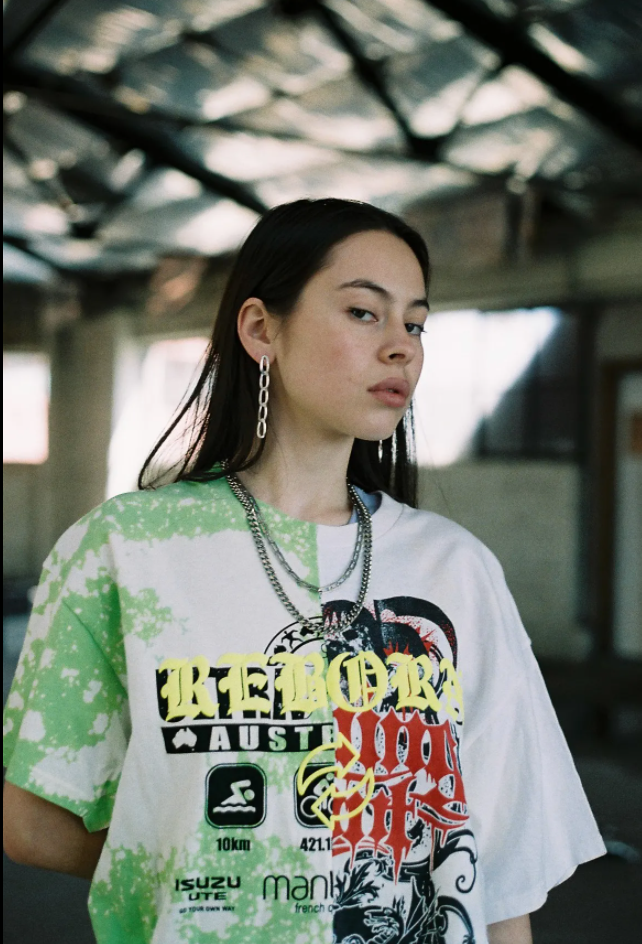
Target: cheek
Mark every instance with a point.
(416, 368)
(349, 357)
(323, 365)
(335, 361)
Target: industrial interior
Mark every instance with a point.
(142, 141)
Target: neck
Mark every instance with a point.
(305, 479)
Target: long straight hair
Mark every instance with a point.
(286, 248)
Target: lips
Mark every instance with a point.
(394, 391)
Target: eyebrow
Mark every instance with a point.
(380, 290)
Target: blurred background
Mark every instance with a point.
(142, 140)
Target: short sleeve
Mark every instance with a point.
(66, 722)
(529, 813)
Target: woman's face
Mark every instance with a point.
(347, 360)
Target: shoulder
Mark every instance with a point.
(447, 553)
(153, 514)
(467, 582)
(442, 535)
(186, 509)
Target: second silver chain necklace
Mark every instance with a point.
(312, 625)
(293, 574)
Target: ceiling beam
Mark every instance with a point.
(509, 39)
(426, 149)
(156, 137)
(22, 21)
(604, 267)
(22, 243)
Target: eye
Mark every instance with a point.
(362, 314)
(415, 329)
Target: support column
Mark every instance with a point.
(83, 360)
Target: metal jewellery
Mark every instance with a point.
(299, 580)
(264, 396)
(312, 625)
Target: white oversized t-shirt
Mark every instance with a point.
(406, 783)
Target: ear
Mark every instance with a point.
(254, 325)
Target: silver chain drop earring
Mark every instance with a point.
(264, 396)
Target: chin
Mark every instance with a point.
(376, 435)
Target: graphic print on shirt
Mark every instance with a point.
(414, 829)
(235, 796)
(392, 797)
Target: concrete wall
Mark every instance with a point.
(26, 519)
(619, 339)
(527, 514)
(627, 616)
(41, 501)
(619, 334)
(82, 380)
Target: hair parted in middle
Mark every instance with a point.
(286, 248)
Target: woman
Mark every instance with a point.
(272, 700)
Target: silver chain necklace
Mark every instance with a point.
(259, 532)
(297, 579)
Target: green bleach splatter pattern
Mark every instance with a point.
(79, 575)
(68, 724)
(123, 906)
(124, 900)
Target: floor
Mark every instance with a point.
(600, 904)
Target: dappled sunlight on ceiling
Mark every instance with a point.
(257, 103)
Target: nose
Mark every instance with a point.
(398, 345)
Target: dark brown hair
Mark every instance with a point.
(288, 246)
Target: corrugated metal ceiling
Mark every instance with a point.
(134, 130)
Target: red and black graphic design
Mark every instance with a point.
(413, 837)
